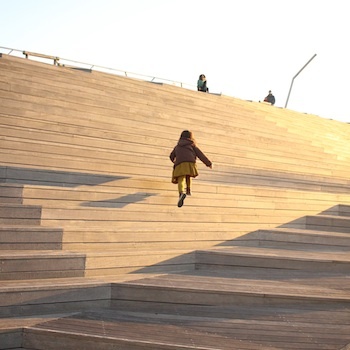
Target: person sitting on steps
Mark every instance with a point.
(270, 98)
(202, 83)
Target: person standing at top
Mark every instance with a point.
(202, 83)
(184, 157)
(270, 98)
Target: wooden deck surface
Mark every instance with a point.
(95, 254)
(199, 310)
(260, 329)
(211, 309)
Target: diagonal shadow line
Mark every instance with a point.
(189, 258)
(120, 202)
(43, 177)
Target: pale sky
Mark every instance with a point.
(244, 47)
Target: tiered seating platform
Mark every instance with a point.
(95, 254)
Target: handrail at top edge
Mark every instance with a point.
(97, 67)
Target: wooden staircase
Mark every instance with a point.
(95, 254)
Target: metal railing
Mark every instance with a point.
(64, 62)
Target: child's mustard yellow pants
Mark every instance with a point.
(182, 181)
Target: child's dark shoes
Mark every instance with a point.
(182, 197)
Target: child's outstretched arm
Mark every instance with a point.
(203, 157)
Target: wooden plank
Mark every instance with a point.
(40, 264)
(19, 211)
(303, 239)
(11, 339)
(129, 336)
(273, 259)
(35, 297)
(169, 293)
(156, 331)
(30, 238)
(138, 259)
(163, 192)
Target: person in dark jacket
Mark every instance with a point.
(270, 98)
(184, 157)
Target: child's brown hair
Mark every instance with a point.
(186, 134)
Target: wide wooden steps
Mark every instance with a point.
(273, 258)
(222, 310)
(52, 296)
(95, 254)
(322, 222)
(211, 309)
(137, 108)
(245, 286)
(291, 238)
(127, 330)
(210, 332)
(11, 329)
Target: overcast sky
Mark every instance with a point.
(244, 47)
